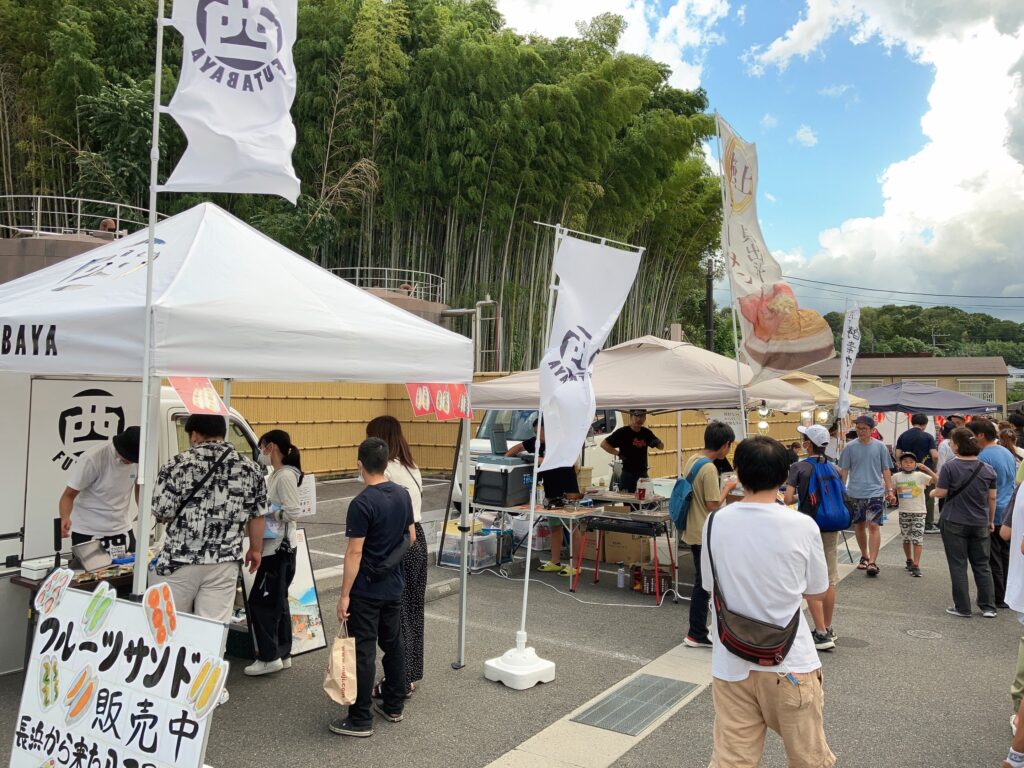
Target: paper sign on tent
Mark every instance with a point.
(198, 395)
(445, 401)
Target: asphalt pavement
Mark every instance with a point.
(907, 686)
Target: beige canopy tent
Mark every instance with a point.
(824, 394)
(658, 375)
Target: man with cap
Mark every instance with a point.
(630, 443)
(866, 468)
(96, 502)
(958, 419)
(816, 444)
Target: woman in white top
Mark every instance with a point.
(402, 470)
(269, 614)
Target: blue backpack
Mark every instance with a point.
(826, 495)
(682, 492)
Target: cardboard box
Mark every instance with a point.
(626, 548)
(589, 551)
(647, 580)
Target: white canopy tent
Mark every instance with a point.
(228, 302)
(656, 374)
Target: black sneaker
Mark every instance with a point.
(910, 565)
(952, 611)
(831, 634)
(915, 571)
(389, 716)
(345, 727)
(822, 641)
(932, 529)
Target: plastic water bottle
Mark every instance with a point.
(620, 576)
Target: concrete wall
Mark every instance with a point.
(21, 256)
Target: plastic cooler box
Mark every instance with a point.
(503, 485)
(486, 549)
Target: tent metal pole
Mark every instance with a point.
(464, 544)
(148, 458)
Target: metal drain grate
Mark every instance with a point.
(633, 707)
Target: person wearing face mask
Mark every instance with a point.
(96, 502)
(269, 614)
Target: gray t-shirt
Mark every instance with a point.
(969, 506)
(865, 463)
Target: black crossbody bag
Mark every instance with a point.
(750, 639)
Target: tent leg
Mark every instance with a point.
(464, 546)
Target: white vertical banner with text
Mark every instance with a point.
(236, 88)
(848, 355)
(593, 283)
(778, 336)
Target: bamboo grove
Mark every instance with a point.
(430, 137)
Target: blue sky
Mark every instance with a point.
(863, 103)
(910, 172)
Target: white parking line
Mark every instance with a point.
(326, 554)
(324, 536)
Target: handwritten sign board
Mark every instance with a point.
(115, 683)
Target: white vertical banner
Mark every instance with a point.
(593, 282)
(236, 88)
(778, 336)
(851, 346)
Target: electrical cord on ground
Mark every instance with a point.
(503, 574)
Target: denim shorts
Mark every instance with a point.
(870, 510)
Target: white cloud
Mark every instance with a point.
(835, 91)
(679, 37)
(769, 121)
(770, 197)
(953, 213)
(741, 15)
(804, 135)
(711, 159)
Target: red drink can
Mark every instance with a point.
(641, 493)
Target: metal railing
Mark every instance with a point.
(420, 285)
(39, 215)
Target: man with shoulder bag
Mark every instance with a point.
(379, 528)
(765, 670)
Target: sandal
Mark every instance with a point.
(863, 564)
(872, 569)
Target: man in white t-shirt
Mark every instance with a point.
(96, 504)
(768, 558)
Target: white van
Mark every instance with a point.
(49, 422)
(518, 426)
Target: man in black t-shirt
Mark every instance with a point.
(378, 521)
(557, 483)
(630, 444)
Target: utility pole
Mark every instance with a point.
(709, 299)
(936, 337)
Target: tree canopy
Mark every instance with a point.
(430, 137)
(942, 331)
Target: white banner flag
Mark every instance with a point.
(778, 336)
(236, 89)
(594, 281)
(851, 346)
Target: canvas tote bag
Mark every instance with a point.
(340, 678)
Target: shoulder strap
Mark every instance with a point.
(698, 465)
(198, 486)
(952, 494)
(711, 558)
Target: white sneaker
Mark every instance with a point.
(264, 667)
(989, 614)
(224, 696)
(286, 663)
(1013, 724)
